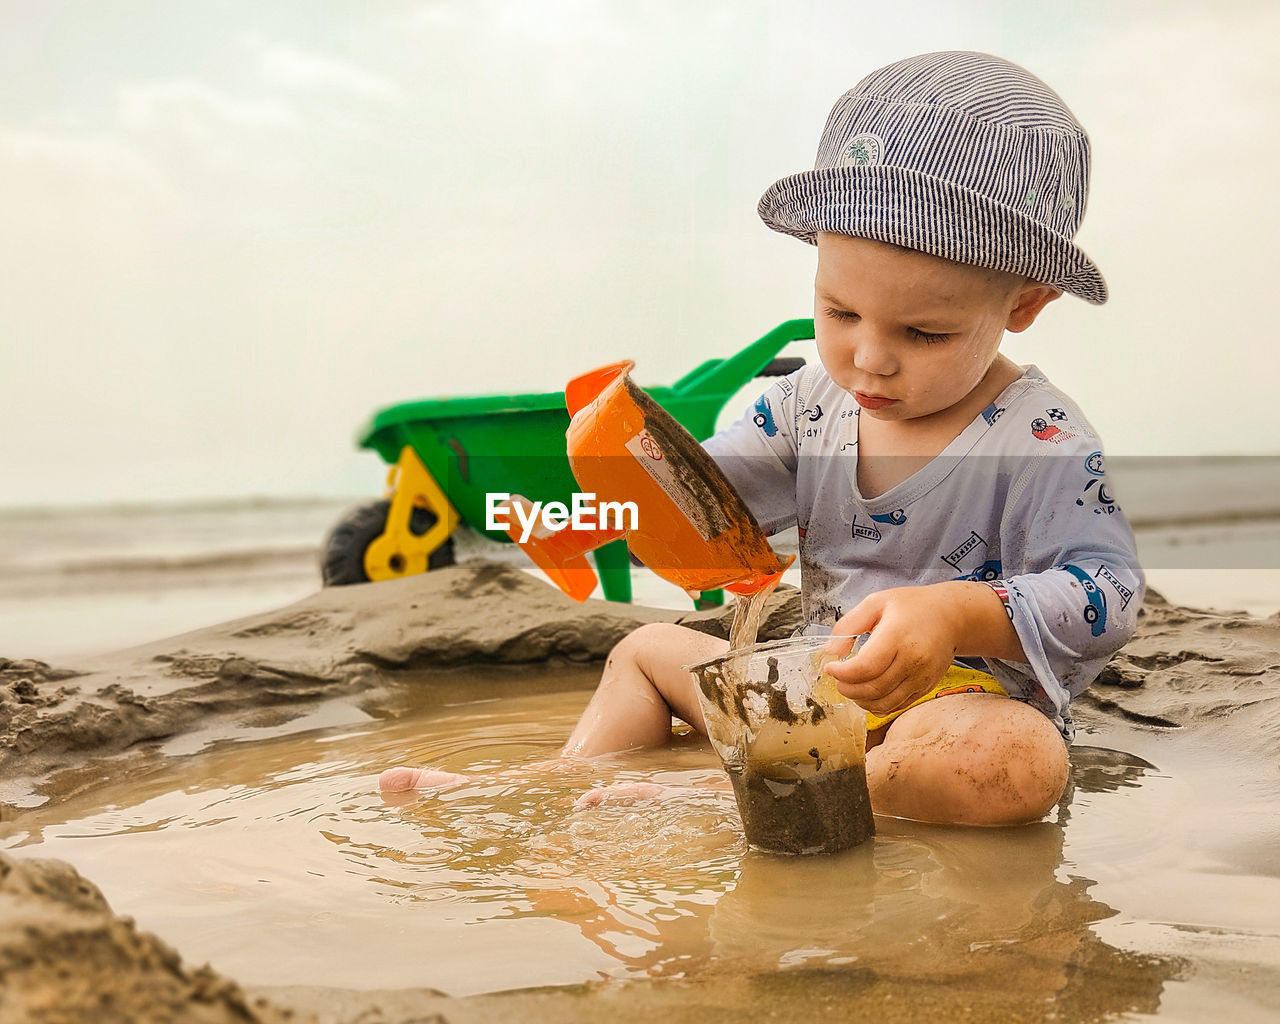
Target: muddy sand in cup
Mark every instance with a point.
(794, 748)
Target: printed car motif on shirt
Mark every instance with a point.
(764, 417)
(985, 573)
(895, 518)
(1095, 612)
(1046, 431)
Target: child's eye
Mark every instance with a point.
(926, 337)
(842, 314)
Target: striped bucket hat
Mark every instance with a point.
(961, 155)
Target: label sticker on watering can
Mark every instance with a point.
(648, 452)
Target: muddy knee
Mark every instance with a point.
(972, 759)
(1038, 764)
(1018, 766)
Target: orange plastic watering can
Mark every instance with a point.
(654, 484)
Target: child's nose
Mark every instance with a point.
(874, 354)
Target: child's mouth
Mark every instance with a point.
(872, 401)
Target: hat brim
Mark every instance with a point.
(916, 211)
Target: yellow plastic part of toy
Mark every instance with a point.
(399, 551)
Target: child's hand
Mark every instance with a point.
(914, 637)
(915, 634)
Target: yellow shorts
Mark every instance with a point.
(957, 680)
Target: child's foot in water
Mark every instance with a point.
(621, 792)
(403, 779)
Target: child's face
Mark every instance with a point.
(908, 334)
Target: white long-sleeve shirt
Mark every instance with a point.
(1019, 500)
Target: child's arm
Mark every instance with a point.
(757, 453)
(916, 632)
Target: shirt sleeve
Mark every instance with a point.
(758, 453)
(1077, 602)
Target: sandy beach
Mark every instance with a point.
(190, 827)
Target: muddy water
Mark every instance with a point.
(277, 861)
(747, 613)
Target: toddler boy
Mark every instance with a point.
(950, 503)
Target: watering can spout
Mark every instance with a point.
(585, 388)
(686, 523)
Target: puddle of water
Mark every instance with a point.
(278, 862)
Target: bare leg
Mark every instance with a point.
(968, 759)
(643, 684)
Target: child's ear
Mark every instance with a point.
(1030, 299)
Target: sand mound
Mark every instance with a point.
(64, 956)
(1210, 671)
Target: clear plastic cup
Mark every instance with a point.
(794, 748)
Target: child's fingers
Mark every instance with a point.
(839, 646)
(883, 695)
(879, 702)
(860, 621)
(872, 661)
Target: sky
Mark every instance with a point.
(230, 232)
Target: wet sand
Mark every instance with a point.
(1196, 697)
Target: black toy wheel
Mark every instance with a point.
(342, 558)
